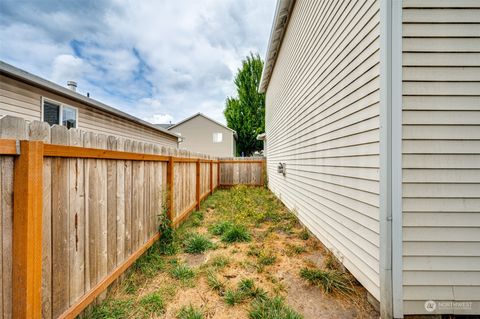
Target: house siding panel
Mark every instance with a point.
(441, 154)
(322, 120)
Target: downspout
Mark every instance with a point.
(391, 264)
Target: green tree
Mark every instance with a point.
(246, 113)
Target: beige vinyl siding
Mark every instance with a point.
(198, 133)
(23, 100)
(17, 100)
(322, 120)
(441, 154)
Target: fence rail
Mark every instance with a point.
(78, 208)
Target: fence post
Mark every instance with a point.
(170, 185)
(27, 231)
(198, 184)
(218, 173)
(211, 177)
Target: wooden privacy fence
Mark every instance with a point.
(78, 208)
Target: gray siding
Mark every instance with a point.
(441, 154)
(322, 120)
(23, 100)
(198, 133)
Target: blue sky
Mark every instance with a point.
(160, 60)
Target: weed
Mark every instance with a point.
(233, 297)
(153, 303)
(111, 309)
(304, 234)
(215, 283)
(167, 233)
(150, 263)
(331, 262)
(330, 281)
(294, 250)
(236, 233)
(220, 228)
(189, 312)
(220, 261)
(246, 285)
(182, 272)
(266, 258)
(196, 219)
(197, 244)
(272, 308)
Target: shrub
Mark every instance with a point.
(197, 244)
(330, 281)
(272, 308)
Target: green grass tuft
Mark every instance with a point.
(215, 283)
(330, 281)
(220, 228)
(304, 234)
(182, 272)
(111, 309)
(220, 261)
(236, 233)
(197, 244)
(190, 312)
(233, 297)
(153, 303)
(272, 308)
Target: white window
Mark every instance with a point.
(217, 137)
(58, 113)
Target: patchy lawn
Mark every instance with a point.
(243, 255)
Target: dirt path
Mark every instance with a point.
(207, 283)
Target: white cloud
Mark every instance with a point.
(67, 67)
(160, 119)
(158, 60)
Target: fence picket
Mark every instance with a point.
(98, 212)
(76, 220)
(60, 226)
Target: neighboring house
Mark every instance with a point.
(374, 107)
(30, 97)
(201, 134)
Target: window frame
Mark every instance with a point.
(213, 137)
(60, 110)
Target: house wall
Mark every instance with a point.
(198, 134)
(322, 120)
(24, 100)
(441, 154)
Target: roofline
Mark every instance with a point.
(201, 114)
(26, 77)
(280, 22)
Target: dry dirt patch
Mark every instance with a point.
(277, 248)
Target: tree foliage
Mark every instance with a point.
(246, 113)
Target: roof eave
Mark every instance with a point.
(279, 26)
(26, 77)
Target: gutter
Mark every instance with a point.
(26, 77)
(280, 21)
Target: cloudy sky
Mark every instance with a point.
(160, 60)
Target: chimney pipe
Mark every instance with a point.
(72, 85)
